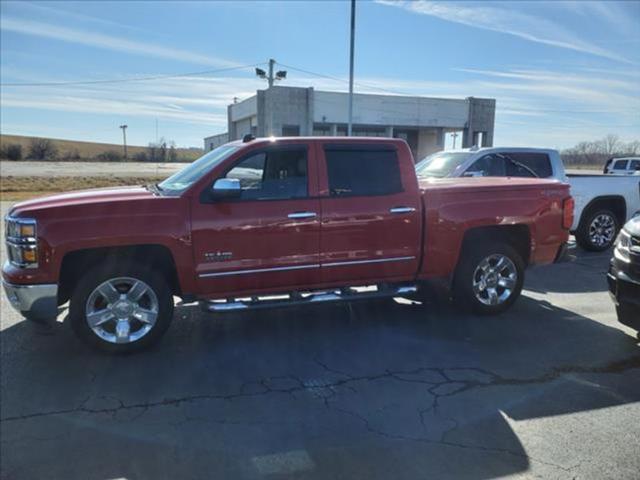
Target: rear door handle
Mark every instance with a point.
(402, 210)
(299, 215)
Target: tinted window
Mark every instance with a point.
(441, 164)
(635, 165)
(276, 174)
(620, 165)
(363, 172)
(488, 166)
(536, 162)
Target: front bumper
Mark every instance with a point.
(625, 292)
(35, 302)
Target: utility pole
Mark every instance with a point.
(353, 34)
(124, 138)
(454, 135)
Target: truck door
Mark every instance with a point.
(371, 213)
(268, 238)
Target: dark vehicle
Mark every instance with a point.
(624, 274)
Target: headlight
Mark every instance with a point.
(623, 247)
(22, 242)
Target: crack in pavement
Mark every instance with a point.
(442, 442)
(299, 386)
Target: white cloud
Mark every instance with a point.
(505, 19)
(532, 105)
(109, 42)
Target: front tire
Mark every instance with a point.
(489, 278)
(598, 230)
(121, 307)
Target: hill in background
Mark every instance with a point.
(17, 147)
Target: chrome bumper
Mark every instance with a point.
(35, 302)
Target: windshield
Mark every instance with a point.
(180, 181)
(441, 164)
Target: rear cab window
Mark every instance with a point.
(354, 171)
(513, 164)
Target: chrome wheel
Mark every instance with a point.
(122, 310)
(495, 279)
(602, 230)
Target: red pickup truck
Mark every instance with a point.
(262, 222)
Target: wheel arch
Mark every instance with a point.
(616, 203)
(518, 236)
(75, 263)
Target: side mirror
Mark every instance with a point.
(226, 188)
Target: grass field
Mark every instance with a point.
(23, 188)
(90, 150)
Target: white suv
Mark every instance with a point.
(623, 166)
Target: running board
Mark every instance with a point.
(308, 298)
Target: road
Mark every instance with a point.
(384, 390)
(87, 169)
(114, 169)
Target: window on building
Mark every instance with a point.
(275, 174)
(321, 130)
(368, 132)
(291, 130)
(362, 172)
(620, 165)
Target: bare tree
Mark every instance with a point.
(42, 149)
(612, 144)
(599, 151)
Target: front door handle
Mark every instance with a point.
(299, 215)
(402, 210)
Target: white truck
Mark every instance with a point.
(603, 202)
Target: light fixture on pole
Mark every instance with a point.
(271, 77)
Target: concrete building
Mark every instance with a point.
(421, 121)
(215, 141)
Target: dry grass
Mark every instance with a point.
(89, 150)
(22, 188)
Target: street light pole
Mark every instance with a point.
(270, 78)
(353, 33)
(124, 138)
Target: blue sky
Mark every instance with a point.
(561, 72)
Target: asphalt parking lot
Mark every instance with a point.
(383, 390)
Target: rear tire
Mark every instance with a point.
(121, 307)
(597, 230)
(489, 278)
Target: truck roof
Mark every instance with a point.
(269, 140)
(502, 149)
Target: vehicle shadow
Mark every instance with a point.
(368, 390)
(563, 278)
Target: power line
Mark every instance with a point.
(124, 80)
(337, 79)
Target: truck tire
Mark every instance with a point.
(121, 307)
(489, 278)
(597, 230)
